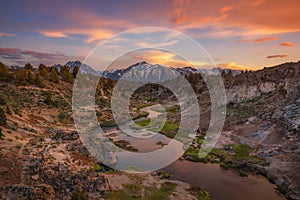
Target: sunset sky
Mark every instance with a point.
(236, 33)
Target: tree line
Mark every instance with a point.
(28, 75)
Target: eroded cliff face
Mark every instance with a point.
(286, 110)
(282, 78)
(244, 92)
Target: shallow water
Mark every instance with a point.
(223, 184)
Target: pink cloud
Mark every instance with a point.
(6, 34)
(17, 54)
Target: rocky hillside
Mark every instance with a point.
(274, 93)
(42, 155)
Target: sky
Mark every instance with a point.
(237, 34)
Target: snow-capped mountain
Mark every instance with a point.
(143, 72)
(146, 71)
(160, 72)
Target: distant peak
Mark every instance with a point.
(139, 63)
(73, 62)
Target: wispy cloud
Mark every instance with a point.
(41, 55)
(93, 35)
(263, 20)
(94, 26)
(277, 56)
(10, 53)
(18, 55)
(257, 3)
(186, 13)
(286, 44)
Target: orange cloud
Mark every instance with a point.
(94, 26)
(268, 17)
(232, 65)
(277, 56)
(161, 57)
(190, 14)
(55, 34)
(151, 56)
(286, 44)
(180, 17)
(226, 8)
(219, 18)
(258, 40)
(93, 34)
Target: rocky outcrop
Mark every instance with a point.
(62, 135)
(291, 117)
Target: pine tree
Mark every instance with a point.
(1, 135)
(28, 66)
(39, 81)
(54, 75)
(4, 73)
(2, 117)
(21, 76)
(30, 77)
(64, 69)
(8, 110)
(75, 71)
(67, 76)
(43, 70)
(48, 99)
(2, 100)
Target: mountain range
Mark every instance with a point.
(153, 70)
